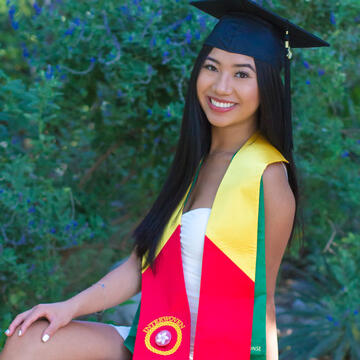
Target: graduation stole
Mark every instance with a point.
(231, 322)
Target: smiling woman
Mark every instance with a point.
(236, 135)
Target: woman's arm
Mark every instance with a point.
(120, 284)
(279, 204)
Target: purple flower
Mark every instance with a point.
(67, 227)
(330, 318)
(32, 210)
(188, 17)
(153, 42)
(356, 312)
(165, 54)
(168, 114)
(150, 70)
(25, 53)
(130, 38)
(38, 247)
(202, 23)
(93, 59)
(25, 50)
(168, 40)
(15, 140)
(306, 64)
(308, 82)
(31, 223)
(15, 25)
(125, 10)
(332, 18)
(12, 11)
(119, 93)
(321, 72)
(53, 230)
(22, 240)
(357, 19)
(77, 21)
(70, 30)
(197, 35)
(358, 141)
(149, 111)
(37, 8)
(49, 72)
(188, 36)
(345, 154)
(157, 140)
(31, 268)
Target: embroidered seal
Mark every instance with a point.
(164, 335)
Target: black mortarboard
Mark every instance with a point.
(245, 27)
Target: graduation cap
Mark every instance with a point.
(245, 27)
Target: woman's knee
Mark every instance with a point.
(78, 340)
(22, 347)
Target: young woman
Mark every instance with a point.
(200, 258)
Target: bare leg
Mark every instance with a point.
(79, 340)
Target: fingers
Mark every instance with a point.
(37, 312)
(48, 332)
(16, 322)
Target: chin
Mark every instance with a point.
(220, 122)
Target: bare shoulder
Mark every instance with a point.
(277, 189)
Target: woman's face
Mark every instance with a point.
(227, 88)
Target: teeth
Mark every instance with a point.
(221, 104)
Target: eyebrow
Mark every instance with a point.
(235, 65)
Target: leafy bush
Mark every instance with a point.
(91, 99)
(325, 318)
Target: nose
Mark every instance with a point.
(222, 84)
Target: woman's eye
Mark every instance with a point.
(243, 74)
(209, 67)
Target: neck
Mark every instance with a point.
(228, 140)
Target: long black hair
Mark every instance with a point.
(194, 144)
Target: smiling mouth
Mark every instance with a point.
(220, 105)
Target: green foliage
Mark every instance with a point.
(91, 100)
(328, 321)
